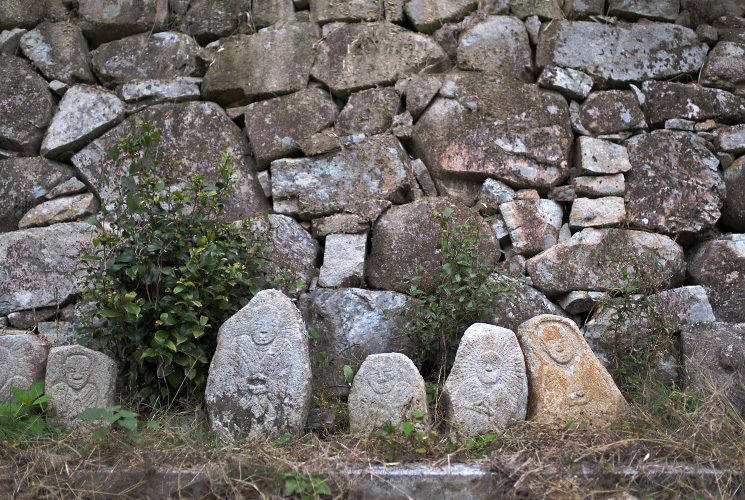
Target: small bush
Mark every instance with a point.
(167, 270)
(465, 295)
(22, 419)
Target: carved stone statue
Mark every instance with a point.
(259, 380)
(387, 388)
(566, 380)
(487, 388)
(78, 378)
(23, 360)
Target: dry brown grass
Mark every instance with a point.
(533, 461)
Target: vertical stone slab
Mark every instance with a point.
(259, 383)
(487, 389)
(566, 380)
(387, 388)
(78, 378)
(23, 359)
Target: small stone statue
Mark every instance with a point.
(487, 388)
(78, 378)
(387, 388)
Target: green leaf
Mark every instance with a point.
(108, 313)
(100, 433)
(348, 374)
(132, 308)
(92, 414)
(418, 415)
(407, 427)
(321, 357)
(94, 222)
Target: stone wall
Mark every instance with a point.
(605, 137)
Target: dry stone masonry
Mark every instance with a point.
(605, 139)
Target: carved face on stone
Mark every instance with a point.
(558, 346)
(488, 368)
(265, 325)
(77, 370)
(381, 378)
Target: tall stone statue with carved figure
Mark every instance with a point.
(566, 380)
(259, 383)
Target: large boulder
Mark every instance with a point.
(107, 20)
(326, 11)
(208, 20)
(610, 112)
(276, 126)
(39, 266)
(26, 106)
(725, 68)
(713, 354)
(145, 56)
(670, 100)
(601, 259)
(351, 324)
(59, 51)
(272, 62)
(719, 266)
(706, 11)
(290, 249)
(23, 184)
(498, 45)
(368, 112)
(733, 210)
(620, 323)
(428, 16)
(24, 14)
(84, 113)
(376, 168)
(674, 185)
(484, 126)
(187, 131)
(358, 56)
(408, 236)
(618, 55)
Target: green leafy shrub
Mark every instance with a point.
(465, 295)
(642, 327)
(124, 420)
(23, 418)
(167, 269)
